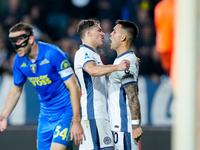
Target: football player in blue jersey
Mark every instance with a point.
(49, 70)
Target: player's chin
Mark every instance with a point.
(100, 43)
(21, 55)
(111, 46)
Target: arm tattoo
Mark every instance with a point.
(134, 104)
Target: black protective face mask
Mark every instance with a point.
(21, 37)
(20, 45)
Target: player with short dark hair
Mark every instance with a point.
(123, 102)
(50, 72)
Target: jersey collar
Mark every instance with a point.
(83, 45)
(129, 51)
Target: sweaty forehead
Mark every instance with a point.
(17, 33)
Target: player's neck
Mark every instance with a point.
(32, 56)
(122, 49)
(90, 45)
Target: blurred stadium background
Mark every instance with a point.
(54, 21)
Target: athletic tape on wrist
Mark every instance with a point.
(135, 122)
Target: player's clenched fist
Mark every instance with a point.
(137, 133)
(124, 65)
(3, 123)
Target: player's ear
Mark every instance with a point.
(123, 37)
(31, 39)
(88, 33)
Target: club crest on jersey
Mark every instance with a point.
(33, 68)
(107, 140)
(127, 71)
(86, 56)
(64, 64)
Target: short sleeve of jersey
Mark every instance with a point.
(85, 56)
(62, 64)
(130, 76)
(18, 76)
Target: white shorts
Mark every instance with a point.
(124, 141)
(98, 135)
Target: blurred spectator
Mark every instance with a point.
(143, 44)
(142, 17)
(4, 54)
(109, 9)
(23, 5)
(70, 30)
(57, 17)
(11, 14)
(65, 44)
(136, 11)
(155, 67)
(146, 36)
(38, 34)
(38, 16)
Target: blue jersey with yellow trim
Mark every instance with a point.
(47, 74)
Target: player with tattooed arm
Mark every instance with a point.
(123, 102)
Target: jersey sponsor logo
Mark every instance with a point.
(107, 140)
(86, 56)
(24, 65)
(45, 61)
(64, 64)
(40, 81)
(33, 68)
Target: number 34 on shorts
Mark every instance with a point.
(63, 133)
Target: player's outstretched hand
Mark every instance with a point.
(124, 65)
(77, 133)
(137, 133)
(3, 123)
